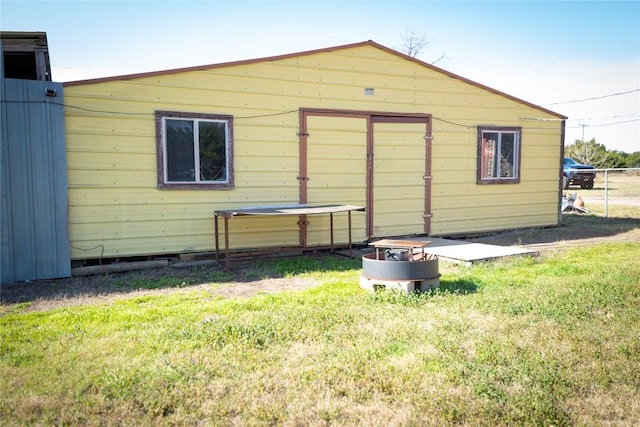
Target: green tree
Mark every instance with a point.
(588, 152)
(633, 160)
(592, 153)
(616, 159)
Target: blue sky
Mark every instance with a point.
(545, 52)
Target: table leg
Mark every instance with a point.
(331, 227)
(226, 243)
(350, 247)
(217, 239)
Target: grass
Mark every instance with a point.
(615, 210)
(530, 341)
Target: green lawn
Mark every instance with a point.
(531, 341)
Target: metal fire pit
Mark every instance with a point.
(402, 265)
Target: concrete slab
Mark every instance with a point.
(460, 251)
(463, 252)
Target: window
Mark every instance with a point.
(20, 65)
(194, 150)
(498, 155)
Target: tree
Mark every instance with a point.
(592, 153)
(587, 152)
(414, 43)
(616, 159)
(633, 160)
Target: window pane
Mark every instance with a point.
(499, 154)
(488, 165)
(213, 155)
(507, 155)
(180, 160)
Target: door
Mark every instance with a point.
(400, 178)
(377, 160)
(336, 174)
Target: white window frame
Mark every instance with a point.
(161, 141)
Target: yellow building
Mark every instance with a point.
(151, 156)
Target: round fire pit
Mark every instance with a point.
(400, 268)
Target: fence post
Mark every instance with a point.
(606, 193)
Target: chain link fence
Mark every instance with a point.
(615, 193)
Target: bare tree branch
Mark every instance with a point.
(413, 43)
(442, 58)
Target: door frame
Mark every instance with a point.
(371, 117)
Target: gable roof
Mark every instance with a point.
(312, 52)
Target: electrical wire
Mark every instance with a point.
(265, 115)
(612, 123)
(91, 110)
(454, 123)
(593, 98)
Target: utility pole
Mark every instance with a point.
(584, 146)
(583, 126)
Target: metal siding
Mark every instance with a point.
(21, 249)
(461, 206)
(7, 237)
(264, 98)
(34, 239)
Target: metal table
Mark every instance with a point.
(299, 210)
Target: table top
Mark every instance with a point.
(400, 244)
(300, 209)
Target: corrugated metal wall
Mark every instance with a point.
(35, 242)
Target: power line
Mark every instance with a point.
(90, 110)
(612, 123)
(617, 116)
(593, 98)
(539, 119)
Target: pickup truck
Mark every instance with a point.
(575, 173)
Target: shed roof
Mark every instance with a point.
(312, 52)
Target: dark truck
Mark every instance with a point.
(575, 173)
